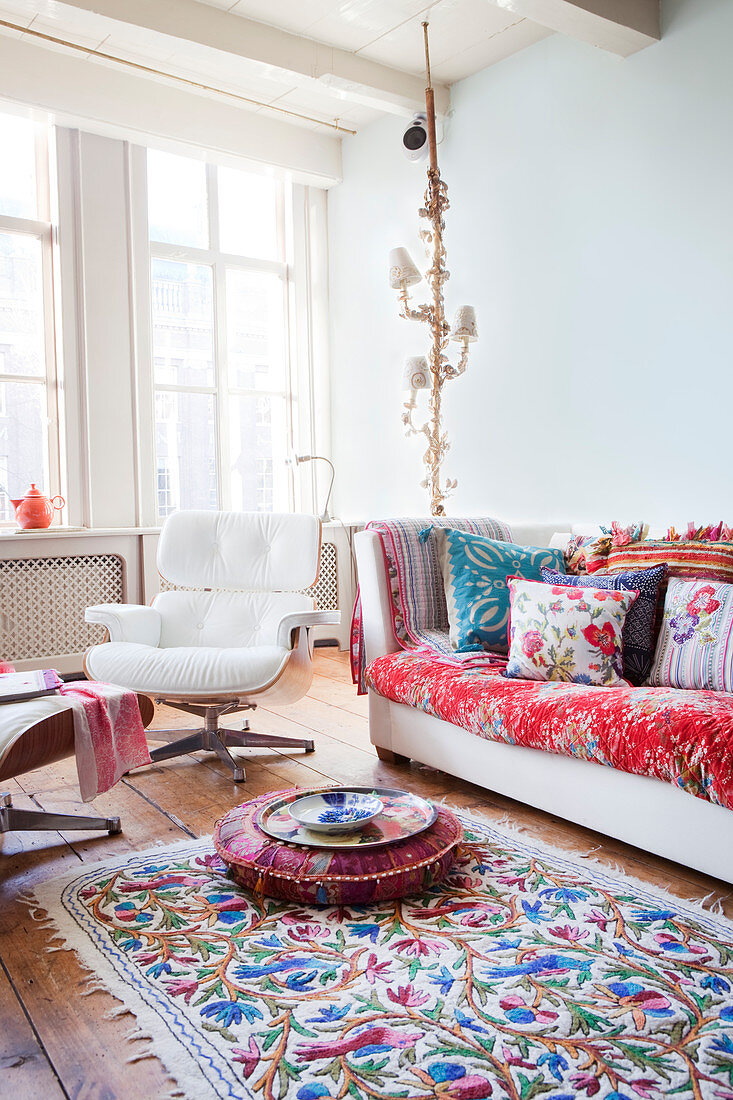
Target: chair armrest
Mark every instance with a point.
(127, 622)
(296, 619)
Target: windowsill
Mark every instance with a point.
(17, 534)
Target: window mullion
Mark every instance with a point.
(29, 227)
(212, 205)
(193, 255)
(43, 173)
(51, 380)
(222, 379)
(174, 387)
(220, 340)
(34, 379)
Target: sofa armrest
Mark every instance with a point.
(127, 622)
(308, 619)
(376, 599)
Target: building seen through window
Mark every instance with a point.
(220, 337)
(27, 367)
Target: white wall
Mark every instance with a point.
(592, 227)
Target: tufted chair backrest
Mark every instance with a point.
(246, 569)
(256, 551)
(224, 619)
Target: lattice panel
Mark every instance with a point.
(325, 591)
(42, 603)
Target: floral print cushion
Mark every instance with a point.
(695, 647)
(641, 626)
(558, 632)
(682, 737)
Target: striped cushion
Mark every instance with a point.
(691, 560)
(695, 647)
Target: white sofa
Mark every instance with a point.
(642, 811)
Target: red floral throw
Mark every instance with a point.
(682, 737)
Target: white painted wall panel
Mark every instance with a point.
(107, 325)
(591, 226)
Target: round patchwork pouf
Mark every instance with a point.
(327, 876)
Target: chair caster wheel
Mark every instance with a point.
(238, 775)
(310, 746)
(114, 826)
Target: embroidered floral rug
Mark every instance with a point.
(524, 975)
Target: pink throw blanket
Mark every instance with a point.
(109, 736)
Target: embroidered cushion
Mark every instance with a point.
(559, 632)
(475, 571)
(586, 553)
(691, 560)
(326, 876)
(695, 647)
(640, 628)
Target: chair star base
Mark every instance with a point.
(212, 738)
(35, 820)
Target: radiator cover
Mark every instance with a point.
(43, 600)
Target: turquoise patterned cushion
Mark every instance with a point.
(474, 571)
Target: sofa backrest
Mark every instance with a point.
(540, 534)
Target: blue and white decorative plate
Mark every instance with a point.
(338, 811)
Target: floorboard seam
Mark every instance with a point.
(36, 1035)
(151, 802)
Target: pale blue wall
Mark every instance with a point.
(592, 227)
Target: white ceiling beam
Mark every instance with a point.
(76, 91)
(303, 60)
(620, 26)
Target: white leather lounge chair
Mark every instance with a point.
(234, 634)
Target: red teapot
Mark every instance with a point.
(35, 510)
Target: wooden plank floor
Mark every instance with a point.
(54, 1042)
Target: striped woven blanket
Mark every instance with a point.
(419, 612)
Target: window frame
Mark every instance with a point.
(221, 389)
(42, 228)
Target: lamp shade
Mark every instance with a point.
(464, 326)
(417, 375)
(402, 271)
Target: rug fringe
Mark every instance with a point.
(184, 1078)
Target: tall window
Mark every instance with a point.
(28, 407)
(220, 337)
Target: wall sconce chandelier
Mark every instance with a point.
(432, 373)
